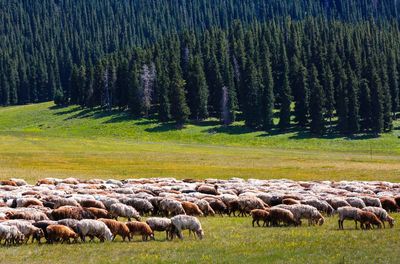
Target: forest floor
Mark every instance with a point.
(38, 141)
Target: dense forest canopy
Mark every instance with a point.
(327, 61)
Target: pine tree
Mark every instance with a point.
(317, 125)
(353, 118)
(285, 95)
(299, 81)
(198, 89)
(162, 86)
(268, 92)
(376, 99)
(365, 105)
(393, 76)
(253, 83)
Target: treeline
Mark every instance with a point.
(317, 74)
(40, 41)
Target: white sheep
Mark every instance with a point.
(26, 228)
(356, 202)
(371, 201)
(10, 234)
(141, 205)
(348, 213)
(322, 206)
(308, 212)
(169, 206)
(123, 210)
(186, 222)
(160, 224)
(93, 228)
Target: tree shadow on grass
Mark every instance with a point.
(164, 127)
(230, 130)
(301, 135)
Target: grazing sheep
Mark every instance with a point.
(60, 232)
(72, 212)
(8, 183)
(218, 206)
(99, 213)
(348, 213)
(171, 207)
(259, 214)
(25, 202)
(205, 207)
(59, 202)
(337, 203)
(308, 212)
(368, 219)
(117, 228)
(247, 204)
(92, 203)
(19, 182)
(356, 202)
(397, 200)
(186, 222)
(11, 235)
(141, 205)
(371, 201)
(43, 225)
(290, 201)
(27, 229)
(208, 189)
(123, 210)
(160, 224)
(321, 206)
(191, 209)
(27, 215)
(140, 228)
(389, 204)
(278, 215)
(381, 214)
(71, 223)
(93, 228)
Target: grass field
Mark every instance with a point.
(38, 141)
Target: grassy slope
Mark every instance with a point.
(42, 141)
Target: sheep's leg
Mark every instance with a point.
(356, 224)
(340, 226)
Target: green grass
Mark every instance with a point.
(38, 141)
(42, 140)
(230, 240)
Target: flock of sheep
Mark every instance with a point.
(65, 210)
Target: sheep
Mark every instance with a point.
(43, 225)
(64, 233)
(98, 213)
(59, 202)
(160, 224)
(91, 203)
(205, 207)
(140, 228)
(277, 215)
(71, 223)
(171, 207)
(8, 183)
(183, 222)
(368, 219)
(356, 202)
(337, 203)
(381, 214)
(93, 228)
(27, 215)
(123, 210)
(141, 205)
(27, 229)
(371, 201)
(397, 200)
(259, 214)
(191, 209)
(117, 228)
(389, 204)
(290, 201)
(246, 204)
(207, 189)
(19, 182)
(218, 206)
(10, 234)
(348, 213)
(25, 202)
(65, 212)
(107, 201)
(321, 206)
(304, 211)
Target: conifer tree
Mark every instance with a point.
(317, 125)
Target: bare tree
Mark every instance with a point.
(147, 78)
(225, 111)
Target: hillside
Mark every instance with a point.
(43, 140)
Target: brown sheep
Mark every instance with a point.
(140, 228)
(397, 199)
(290, 201)
(65, 212)
(259, 214)
(191, 209)
(60, 232)
(368, 219)
(45, 181)
(8, 183)
(92, 203)
(208, 189)
(217, 205)
(277, 215)
(117, 228)
(389, 204)
(99, 213)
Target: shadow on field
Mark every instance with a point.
(231, 130)
(301, 135)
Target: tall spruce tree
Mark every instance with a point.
(197, 89)
(317, 125)
(285, 94)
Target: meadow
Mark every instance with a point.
(38, 141)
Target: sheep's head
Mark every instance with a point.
(200, 233)
(321, 221)
(390, 221)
